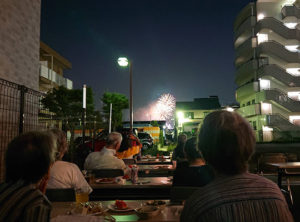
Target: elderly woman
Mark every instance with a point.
(64, 174)
(227, 142)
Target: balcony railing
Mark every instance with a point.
(55, 78)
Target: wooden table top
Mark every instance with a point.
(155, 167)
(288, 165)
(170, 213)
(154, 161)
(144, 182)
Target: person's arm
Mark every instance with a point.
(79, 182)
(39, 212)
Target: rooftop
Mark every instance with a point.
(200, 103)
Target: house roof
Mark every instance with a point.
(200, 104)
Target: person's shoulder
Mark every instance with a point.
(261, 180)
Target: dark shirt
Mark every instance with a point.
(23, 202)
(186, 175)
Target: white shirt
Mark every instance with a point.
(67, 175)
(105, 159)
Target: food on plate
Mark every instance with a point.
(105, 180)
(156, 202)
(120, 205)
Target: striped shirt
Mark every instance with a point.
(244, 197)
(20, 202)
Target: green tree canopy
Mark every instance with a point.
(119, 102)
(67, 103)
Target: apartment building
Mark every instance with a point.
(52, 66)
(266, 41)
(190, 114)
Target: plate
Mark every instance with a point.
(113, 208)
(105, 180)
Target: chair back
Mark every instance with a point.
(129, 161)
(107, 173)
(61, 195)
(181, 193)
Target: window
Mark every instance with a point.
(253, 101)
(254, 125)
(248, 103)
(189, 115)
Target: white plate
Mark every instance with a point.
(131, 206)
(113, 208)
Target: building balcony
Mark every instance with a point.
(245, 73)
(245, 28)
(244, 15)
(282, 99)
(278, 27)
(278, 50)
(246, 90)
(251, 110)
(280, 74)
(290, 11)
(54, 78)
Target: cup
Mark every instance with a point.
(81, 196)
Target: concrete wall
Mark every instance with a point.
(20, 41)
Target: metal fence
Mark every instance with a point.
(19, 110)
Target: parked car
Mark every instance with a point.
(146, 139)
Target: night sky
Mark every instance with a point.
(180, 47)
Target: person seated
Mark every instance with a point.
(192, 172)
(178, 154)
(64, 174)
(130, 146)
(27, 161)
(106, 158)
(227, 141)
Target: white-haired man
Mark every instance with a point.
(106, 159)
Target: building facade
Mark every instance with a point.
(20, 41)
(190, 114)
(52, 66)
(266, 41)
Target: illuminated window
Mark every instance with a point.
(293, 71)
(267, 129)
(295, 120)
(266, 108)
(288, 2)
(262, 38)
(260, 16)
(291, 25)
(292, 48)
(294, 95)
(264, 84)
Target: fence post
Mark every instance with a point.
(22, 102)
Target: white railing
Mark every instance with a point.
(54, 77)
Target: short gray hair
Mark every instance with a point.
(114, 138)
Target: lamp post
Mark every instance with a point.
(124, 62)
(83, 112)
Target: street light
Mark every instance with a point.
(124, 62)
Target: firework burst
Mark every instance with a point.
(166, 105)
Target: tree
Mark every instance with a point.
(119, 102)
(66, 105)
